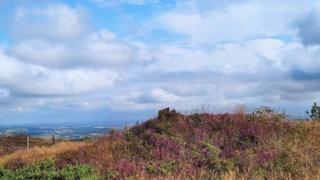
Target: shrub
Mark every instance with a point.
(314, 112)
(162, 168)
(267, 112)
(47, 170)
(110, 174)
(214, 162)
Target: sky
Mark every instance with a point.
(122, 60)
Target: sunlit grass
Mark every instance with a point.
(27, 157)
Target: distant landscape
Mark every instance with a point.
(59, 131)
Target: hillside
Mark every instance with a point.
(178, 146)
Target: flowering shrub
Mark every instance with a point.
(125, 168)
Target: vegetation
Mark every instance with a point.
(24, 157)
(315, 112)
(260, 145)
(9, 144)
(47, 170)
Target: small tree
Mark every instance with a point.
(314, 112)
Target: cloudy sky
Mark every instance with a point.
(116, 60)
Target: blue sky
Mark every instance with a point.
(122, 60)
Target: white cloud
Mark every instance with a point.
(104, 48)
(34, 80)
(235, 53)
(153, 96)
(160, 95)
(234, 22)
(42, 52)
(100, 48)
(55, 21)
(254, 72)
(59, 36)
(227, 58)
(297, 56)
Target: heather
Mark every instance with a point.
(261, 144)
(239, 145)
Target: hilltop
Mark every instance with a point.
(178, 146)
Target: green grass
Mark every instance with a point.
(47, 170)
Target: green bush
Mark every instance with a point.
(314, 112)
(79, 172)
(110, 174)
(161, 169)
(215, 163)
(47, 170)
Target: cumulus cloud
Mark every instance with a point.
(58, 36)
(55, 21)
(156, 95)
(27, 79)
(100, 48)
(42, 52)
(207, 24)
(55, 59)
(238, 51)
(227, 57)
(260, 71)
(298, 57)
(104, 48)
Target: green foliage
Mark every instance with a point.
(112, 175)
(314, 112)
(286, 160)
(161, 169)
(79, 172)
(215, 163)
(47, 170)
(128, 135)
(3, 172)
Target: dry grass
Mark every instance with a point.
(10, 144)
(28, 157)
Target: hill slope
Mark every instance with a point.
(226, 146)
